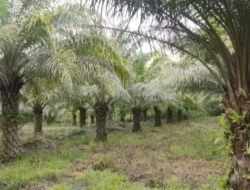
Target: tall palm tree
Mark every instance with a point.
(27, 50)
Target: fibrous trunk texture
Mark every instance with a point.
(238, 117)
(145, 111)
(74, 119)
(136, 111)
(179, 115)
(101, 112)
(170, 115)
(38, 116)
(10, 112)
(157, 116)
(82, 112)
(92, 118)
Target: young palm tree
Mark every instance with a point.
(104, 96)
(99, 96)
(75, 99)
(74, 117)
(160, 70)
(146, 68)
(82, 116)
(146, 88)
(38, 93)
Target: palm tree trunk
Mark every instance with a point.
(136, 119)
(169, 115)
(179, 115)
(122, 116)
(238, 138)
(74, 119)
(10, 136)
(82, 112)
(157, 116)
(101, 112)
(50, 119)
(92, 118)
(145, 114)
(185, 116)
(38, 115)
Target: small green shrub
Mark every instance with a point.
(155, 183)
(214, 183)
(214, 107)
(176, 184)
(171, 184)
(104, 162)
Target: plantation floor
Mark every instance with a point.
(178, 156)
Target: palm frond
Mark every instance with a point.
(3, 11)
(195, 79)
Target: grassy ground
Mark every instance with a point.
(179, 156)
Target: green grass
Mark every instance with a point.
(176, 156)
(44, 165)
(60, 187)
(182, 139)
(107, 180)
(198, 144)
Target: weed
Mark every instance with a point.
(104, 161)
(107, 180)
(155, 183)
(185, 150)
(60, 187)
(176, 184)
(199, 143)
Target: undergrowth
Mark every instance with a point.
(178, 156)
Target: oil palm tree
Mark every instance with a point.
(104, 96)
(99, 92)
(38, 93)
(99, 63)
(27, 50)
(75, 100)
(99, 79)
(191, 77)
(148, 69)
(146, 87)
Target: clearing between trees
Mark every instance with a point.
(178, 156)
